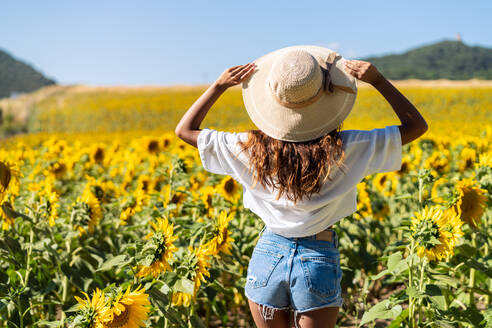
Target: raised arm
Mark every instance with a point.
(413, 124)
(188, 127)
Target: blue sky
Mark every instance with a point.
(192, 42)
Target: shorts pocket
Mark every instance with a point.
(322, 274)
(261, 266)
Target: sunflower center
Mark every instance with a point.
(468, 201)
(209, 201)
(98, 192)
(121, 319)
(59, 169)
(229, 186)
(99, 155)
(153, 146)
(5, 175)
(223, 236)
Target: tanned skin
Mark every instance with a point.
(412, 126)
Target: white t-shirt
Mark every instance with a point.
(366, 152)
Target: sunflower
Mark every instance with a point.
(158, 250)
(485, 159)
(452, 228)
(177, 196)
(128, 309)
(56, 169)
(93, 312)
(202, 254)
(364, 208)
(386, 183)
(97, 153)
(181, 298)
(86, 212)
(166, 141)
(133, 204)
(103, 191)
(207, 195)
(146, 183)
(435, 232)
(8, 219)
(52, 205)
(406, 165)
(152, 145)
(9, 174)
(221, 242)
(437, 185)
(229, 189)
(197, 180)
(438, 161)
(471, 202)
(467, 158)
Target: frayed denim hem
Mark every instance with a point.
(266, 310)
(333, 304)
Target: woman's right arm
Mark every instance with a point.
(413, 124)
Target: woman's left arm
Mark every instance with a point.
(188, 127)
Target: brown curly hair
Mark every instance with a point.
(300, 168)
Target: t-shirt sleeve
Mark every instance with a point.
(380, 150)
(386, 145)
(216, 149)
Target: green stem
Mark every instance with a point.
(410, 283)
(21, 316)
(29, 251)
(487, 297)
(471, 283)
(65, 278)
(189, 317)
(421, 182)
(421, 286)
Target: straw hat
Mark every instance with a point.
(299, 93)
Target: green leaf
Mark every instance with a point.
(44, 323)
(444, 324)
(10, 212)
(382, 310)
(159, 297)
(379, 275)
(184, 285)
(466, 250)
(445, 280)
(115, 261)
(399, 319)
(11, 245)
(435, 295)
(413, 292)
(393, 260)
(197, 322)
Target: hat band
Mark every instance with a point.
(327, 86)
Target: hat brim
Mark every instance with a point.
(298, 124)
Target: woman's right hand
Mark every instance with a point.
(364, 71)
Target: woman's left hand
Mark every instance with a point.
(235, 75)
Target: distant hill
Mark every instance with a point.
(17, 76)
(452, 60)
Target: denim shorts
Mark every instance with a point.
(299, 273)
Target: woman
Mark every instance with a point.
(308, 170)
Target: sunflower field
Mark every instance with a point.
(109, 220)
